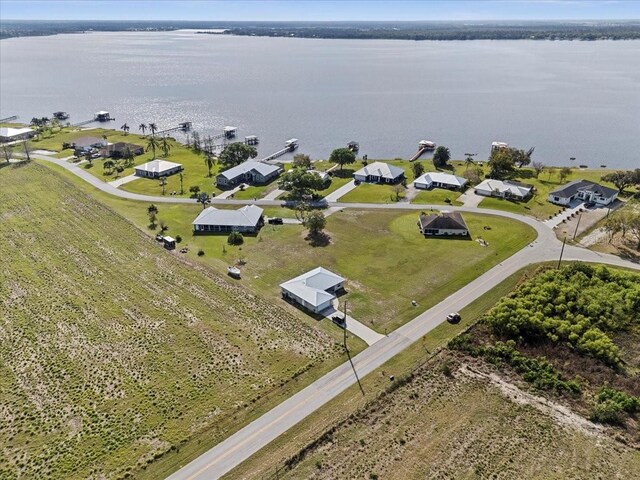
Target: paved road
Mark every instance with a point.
(247, 441)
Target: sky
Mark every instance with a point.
(321, 10)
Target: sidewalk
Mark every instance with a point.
(273, 195)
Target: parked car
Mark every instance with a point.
(590, 204)
(454, 317)
(356, 182)
(275, 221)
(338, 320)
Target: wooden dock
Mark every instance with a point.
(183, 127)
(290, 146)
(8, 119)
(424, 146)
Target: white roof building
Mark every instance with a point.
(249, 171)
(247, 219)
(499, 188)
(314, 290)
(157, 168)
(8, 134)
(379, 172)
(439, 179)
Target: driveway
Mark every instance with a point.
(343, 190)
(470, 198)
(273, 194)
(357, 328)
(123, 180)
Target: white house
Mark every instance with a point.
(248, 172)
(157, 168)
(314, 290)
(504, 189)
(446, 224)
(8, 134)
(247, 219)
(379, 172)
(439, 180)
(585, 191)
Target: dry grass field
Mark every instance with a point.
(115, 354)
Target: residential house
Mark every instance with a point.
(8, 134)
(83, 145)
(157, 168)
(251, 172)
(504, 189)
(314, 290)
(379, 172)
(583, 190)
(248, 219)
(118, 149)
(445, 224)
(439, 180)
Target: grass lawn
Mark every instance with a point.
(370, 193)
(117, 356)
(437, 196)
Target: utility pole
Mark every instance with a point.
(562, 251)
(575, 232)
(344, 327)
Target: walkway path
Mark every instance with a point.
(359, 329)
(340, 192)
(123, 180)
(274, 194)
(229, 193)
(562, 216)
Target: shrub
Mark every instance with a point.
(178, 238)
(200, 252)
(235, 238)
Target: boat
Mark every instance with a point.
(353, 146)
(233, 272)
(426, 145)
(603, 166)
(60, 115)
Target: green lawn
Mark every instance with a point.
(370, 193)
(437, 196)
(117, 356)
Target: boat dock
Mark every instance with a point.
(227, 133)
(251, 140)
(8, 119)
(423, 147)
(101, 116)
(183, 127)
(290, 146)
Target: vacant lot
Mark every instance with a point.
(115, 354)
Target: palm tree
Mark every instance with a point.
(128, 157)
(143, 128)
(108, 165)
(125, 128)
(181, 183)
(153, 144)
(208, 161)
(165, 146)
(154, 128)
(468, 162)
(163, 183)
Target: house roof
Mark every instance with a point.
(263, 169)
(323, 175)
(441, 177)
(157, 166)
(121, 146)
(514, 188)
(14, 132)
(380, 169)
(247, 216)
(88, 141)
(312, 286)
(571, 188)
(445, 221)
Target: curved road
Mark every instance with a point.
(248, 440)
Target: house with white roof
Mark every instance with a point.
(585, 191)
(314, 290)
(248, 219)
(8, 134)
(379, 172)
(504, 189)
(439, 180)
(251, 172)
(157, 168)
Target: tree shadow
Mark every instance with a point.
(344, 173)
(320, 239)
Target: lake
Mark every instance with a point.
(568, 99)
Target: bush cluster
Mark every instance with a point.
(612, 406)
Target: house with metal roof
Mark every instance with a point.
(314, 290)
(439, 180)
(8, 134)
(379, 172)
(248, 219)
(445, 224)
(157, 168)
(583, 191)
(251, 172)
(504, 189)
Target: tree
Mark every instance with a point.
(7, 151)
(152, 209)
(300, 160)
(634, 227)
(398, 192)
(196, 144)
(143, 128)
(194, 190)
(418, 169)
(154, 128)
(181, 175)
(441, 156)
(118, 167)
(474, 175)
(153, 144)
(300, 182)
(315, 222)
(538, 168)
(621, 179)
(163, 183)
(468, 162)
(612, 226)
(88, 156)
(209, 161)
(520, 157)
(108, 166)
(551, 171)
(26, 146)
(564, 173)
(500, 163)
(342, 156)
(204, 199)
(301, 210)
(236, 153)
(125, 128)
(128, 157)
(165, 146)
(235, 238)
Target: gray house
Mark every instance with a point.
(314, 290)
(445, 224)
(247, 219)
(379, 172)
(251, 172)
(585, 191)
